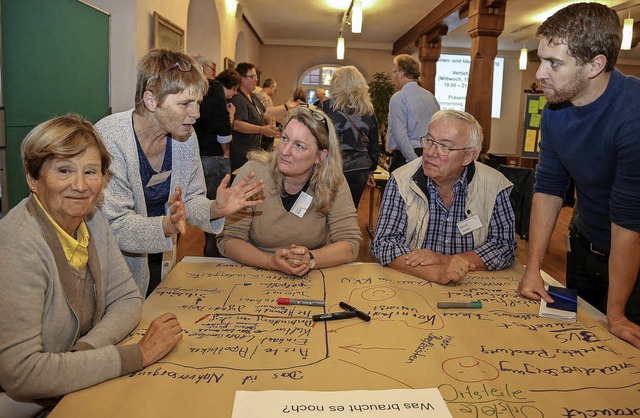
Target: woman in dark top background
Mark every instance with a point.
(352, 114)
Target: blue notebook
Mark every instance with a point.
(565, 305)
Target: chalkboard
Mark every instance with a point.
(55, 61)
(532, 114)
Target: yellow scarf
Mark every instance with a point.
(75, 250)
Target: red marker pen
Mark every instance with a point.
(306, 302)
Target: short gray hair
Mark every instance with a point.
(475, 130)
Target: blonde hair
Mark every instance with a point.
(350, 90)
(61, 137)
(164, 72)
(327, 175)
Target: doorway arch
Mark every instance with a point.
(203, 28)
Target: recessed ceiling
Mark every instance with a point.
(317, 23)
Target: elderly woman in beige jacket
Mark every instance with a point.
(67, 296)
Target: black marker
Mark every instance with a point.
(334, 315)
(358, 312)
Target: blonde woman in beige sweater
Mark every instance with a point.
(307, 218)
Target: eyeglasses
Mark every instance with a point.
(442, 149)
(254, 76)
(317, 116)
(181, 65)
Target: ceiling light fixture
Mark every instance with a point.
(352, 16)
(356, 16)
(340, 48)
(627, 33)
(522, 62)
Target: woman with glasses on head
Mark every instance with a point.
(249, 124)
(351, 111)
(158, 183)
(307, 218)
(67, 296)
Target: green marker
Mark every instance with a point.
(460, 305)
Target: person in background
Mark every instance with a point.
(213, 129)
(307, 219)
(68, 297)
(265, 95)
(352, 114)
(230, 80)
(446, 214)
(300, 95)
(320, 97)
(249, 124)
(158, 182)
(410, 110)
(590, 134)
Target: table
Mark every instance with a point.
(499, 361)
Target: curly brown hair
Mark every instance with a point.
(588, 30)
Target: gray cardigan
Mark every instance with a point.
(124, 202)
(38, 326)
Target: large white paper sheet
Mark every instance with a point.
(397, 403)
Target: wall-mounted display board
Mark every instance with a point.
(532, 114)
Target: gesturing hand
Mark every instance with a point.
(231, 199)
(162, 335)
(176, 221)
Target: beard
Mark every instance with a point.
(568, 91)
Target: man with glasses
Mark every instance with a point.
(410, 109)
(445, 214)
(249, 123)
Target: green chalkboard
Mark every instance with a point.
(55, 61)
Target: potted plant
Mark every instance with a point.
(381, 89)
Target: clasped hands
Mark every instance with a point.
(452, 268)
(295, 260)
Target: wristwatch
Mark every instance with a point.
(312, 260)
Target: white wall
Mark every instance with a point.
(132, 37)
(504, 131)
(204, 37)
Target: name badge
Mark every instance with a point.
(159, 178)
(302, 204)
(469, 225)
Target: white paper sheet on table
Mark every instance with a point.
(397, 403)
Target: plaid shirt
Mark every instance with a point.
(443, 236)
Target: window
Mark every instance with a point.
(316, 77)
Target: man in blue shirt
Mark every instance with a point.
(445, 213)
(410, 109)
(591, 133)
